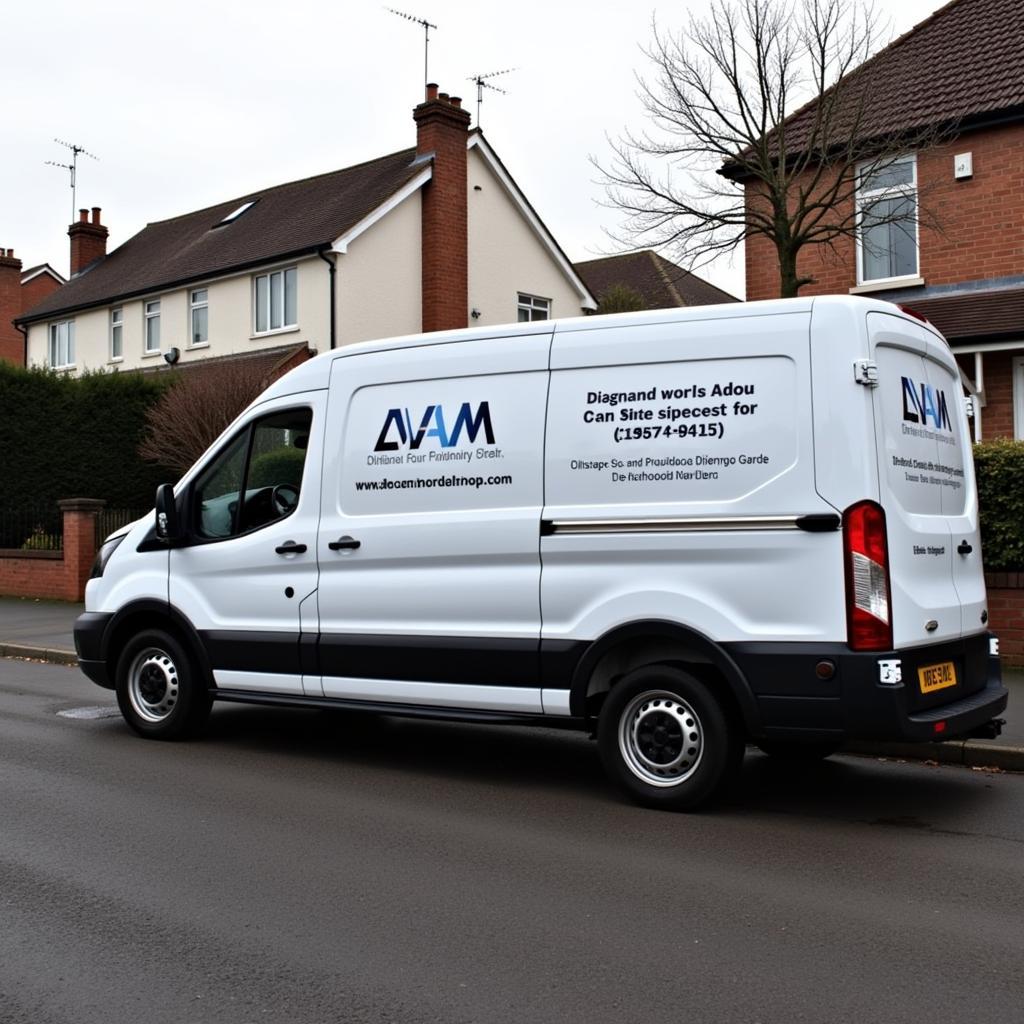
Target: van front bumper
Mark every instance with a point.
(89, 630)
(871, 696)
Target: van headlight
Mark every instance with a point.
(99, 563)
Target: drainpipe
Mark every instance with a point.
(332, 267)
(24, 334)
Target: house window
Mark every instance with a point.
(62, 344)
(533, 308)
(887, 232)
(153, 326)
(199, 323)
(274, 297)
(117, 333)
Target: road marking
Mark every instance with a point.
(100, 712)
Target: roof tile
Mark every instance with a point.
(659, 282)
(285, 220)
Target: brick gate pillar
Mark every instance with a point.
(79, 543)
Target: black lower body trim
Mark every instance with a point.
(399, 710)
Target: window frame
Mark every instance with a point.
(193, 307)
(149, 317)
(53, 344)
(117, 331)
(285, 325)
(865, 198)
(1017, 389)
(529, 305)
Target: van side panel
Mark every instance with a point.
(679, 457)
(433, 487)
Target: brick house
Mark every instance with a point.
(960, 70)
(659, 283)
(427, 238)
(20, 290)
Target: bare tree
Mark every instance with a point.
(197, 407)
(729, 155)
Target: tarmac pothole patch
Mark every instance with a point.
(106, 711)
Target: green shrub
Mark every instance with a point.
(67, 437)
(999, 466)
(40, 540)
(280, 466)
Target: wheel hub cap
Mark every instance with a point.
(661, 738)
(153, 685)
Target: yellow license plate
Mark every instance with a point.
(936, 677)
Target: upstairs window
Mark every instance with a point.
(62, 344)
(887, 243)
(199, 321)
(533, 308)
(153, 326)
(117, 333)
(275, 300)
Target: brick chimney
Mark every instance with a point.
(88, 240)
(441, 130)
(12, 341)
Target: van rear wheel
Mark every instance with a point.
(665, 739)
(159, 690)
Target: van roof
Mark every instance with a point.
(315, 373)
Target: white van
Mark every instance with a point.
(687, 529)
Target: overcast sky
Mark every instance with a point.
(191, 103)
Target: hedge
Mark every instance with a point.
(999, 467)
(68, 437)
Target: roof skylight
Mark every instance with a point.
(235, 214)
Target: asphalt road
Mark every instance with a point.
(315, 867)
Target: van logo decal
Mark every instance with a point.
(925, 405)
(398, 428)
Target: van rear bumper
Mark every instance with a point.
(871, 696)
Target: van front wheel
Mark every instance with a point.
(665, 740)
(159, 691)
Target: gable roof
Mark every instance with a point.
(40, 269)
(285, 221)
(659, 282)
(530, 215)
(960, 67)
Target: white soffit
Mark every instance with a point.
(527, 212)
(342, 242)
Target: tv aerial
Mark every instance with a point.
(427, 26)
(483, 83)
(72, 167)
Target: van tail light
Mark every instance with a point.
(868, 606)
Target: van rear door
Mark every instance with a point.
(926, 483)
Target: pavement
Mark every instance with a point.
(43, 630)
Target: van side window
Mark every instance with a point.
(256, 479)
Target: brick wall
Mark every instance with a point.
(997, 368)
(34, 291)
(441, 129)
(1006, 611)
(981, 219)
(88, 240)
(12, 341)
(53, 574)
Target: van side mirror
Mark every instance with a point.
(168, 526)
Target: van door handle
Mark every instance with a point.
(343, 544)
(289, 547)
(964, 548)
